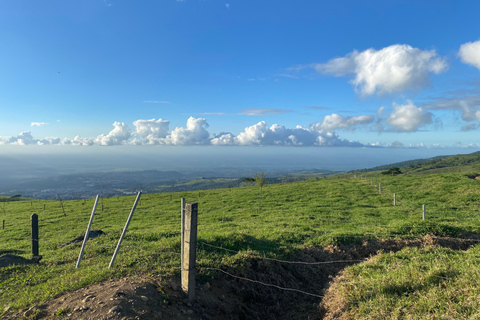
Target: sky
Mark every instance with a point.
(232, 73)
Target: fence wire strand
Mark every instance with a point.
(263, 283)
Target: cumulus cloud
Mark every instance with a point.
(194, 134)
(38, 124)
(154, 131)
(391, 69)
(26, 138)
(336, 121)
(264, 112)
(119, 135)
(408, 117)
(469, 53)
(261, 134)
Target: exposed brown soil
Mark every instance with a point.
(227, 297)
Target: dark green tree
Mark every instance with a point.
(260, 179)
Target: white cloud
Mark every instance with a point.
(154, 131)
(227, 5)
(261, 134)
(391, 69)
(223, 139)
(194, 134)
(263, 112)
(336, 121)
(469, 53)
(38, 124)
(24, 138)
(79, 141)
(408, 117)
(119, 135)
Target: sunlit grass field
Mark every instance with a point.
(292, 216)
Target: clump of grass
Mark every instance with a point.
(414, 283)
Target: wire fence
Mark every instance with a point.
(322, 214)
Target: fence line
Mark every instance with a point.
(278, 260)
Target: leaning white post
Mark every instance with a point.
(423, 209)
(124, 230)
(394, 199)
(87, 233)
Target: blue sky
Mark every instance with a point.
(230, 73)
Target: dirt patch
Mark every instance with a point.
(228, 296)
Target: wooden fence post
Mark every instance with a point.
(379, 188)
(182, 215)
(423, 210)
(394, 199)
(190, 250)
(34, 225)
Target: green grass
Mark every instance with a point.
(428, 283)
(293, 216)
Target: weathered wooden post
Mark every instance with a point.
(190, 250)
(394, 199)
(44, 206)
(182, 215)
(423, 210)
(34, 225)
(379, 188)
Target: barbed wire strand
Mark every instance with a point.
(263, 283)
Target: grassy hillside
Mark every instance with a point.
(318, 213)
(441, 164)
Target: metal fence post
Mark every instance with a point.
(124, 230)
(87, 233)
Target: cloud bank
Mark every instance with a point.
(392, 69)
(157, 132)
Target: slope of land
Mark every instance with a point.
(272, 262)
